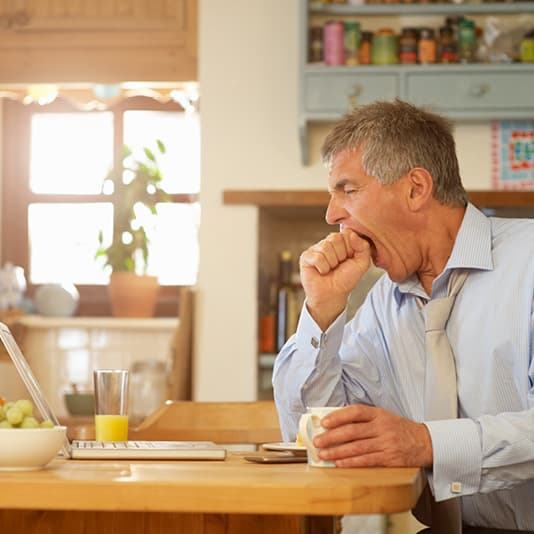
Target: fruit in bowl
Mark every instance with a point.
(25, 442)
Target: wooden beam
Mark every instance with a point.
(266, 198)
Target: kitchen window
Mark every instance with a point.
(55, 158)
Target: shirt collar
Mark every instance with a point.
(471, 250)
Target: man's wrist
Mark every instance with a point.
(427, 452)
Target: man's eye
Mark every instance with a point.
(349, 191)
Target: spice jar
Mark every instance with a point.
(467, 41)
(527, 47)
(385, 50)
(352, 42)
(364, 50)
(408, 46)
(426, 46)
(447, 50)
(316, 44)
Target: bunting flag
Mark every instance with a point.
(513, 155)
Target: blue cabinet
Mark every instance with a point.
(481, 91)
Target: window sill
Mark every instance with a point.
(128, 323)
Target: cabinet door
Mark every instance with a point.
(494, 93)
(338, 93)
(98, 40)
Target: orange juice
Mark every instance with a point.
(111, 427)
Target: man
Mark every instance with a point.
(397, 197)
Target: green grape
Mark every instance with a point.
(2, 413)
(8, 405)
(29, 422)
(5, 424)
(14, 416)
(25, 406)
(47, 424)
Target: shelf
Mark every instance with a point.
(421, 9)
(294, 198)
(460, 68)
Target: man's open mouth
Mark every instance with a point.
(368, 239)
(372, 246)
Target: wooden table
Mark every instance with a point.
(231, 496)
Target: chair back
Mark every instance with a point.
(182, 347)
(223, 422)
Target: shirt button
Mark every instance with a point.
(456, 487)
(314, 342)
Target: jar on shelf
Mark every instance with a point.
(315, 54)
(426, 46)
(447, 49)
(527, 47)
(364, 50)
(408, 46)
(385, 49)
(352, 42)
(333, 43)
(467, 41)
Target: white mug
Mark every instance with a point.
(309, 427)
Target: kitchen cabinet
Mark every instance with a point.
(98, 41)
(476, 91)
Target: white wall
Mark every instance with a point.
(248, 80)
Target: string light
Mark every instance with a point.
(42, 94)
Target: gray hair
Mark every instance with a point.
(396, 137)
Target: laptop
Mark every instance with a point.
(115, 450)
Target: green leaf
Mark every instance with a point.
(149, 154)
(161, 146)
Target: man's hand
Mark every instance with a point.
(365, 436)
(329, 271)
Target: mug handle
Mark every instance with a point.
(308, 422)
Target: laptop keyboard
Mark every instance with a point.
(83, 444)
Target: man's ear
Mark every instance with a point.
(419, 186)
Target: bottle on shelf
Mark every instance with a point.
(426, 46)
(364, 50)
(316, 44)
(267, 321)
(289, 299)
(408, 46)
(467, 41)
(352, 42)
(447, 49)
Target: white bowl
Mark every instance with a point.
(26, 449)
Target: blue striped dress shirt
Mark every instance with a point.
(486, 456)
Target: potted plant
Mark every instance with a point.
(133, 185)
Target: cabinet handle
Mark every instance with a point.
(353, 95)
(478, 90)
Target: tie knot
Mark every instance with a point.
(436, 313)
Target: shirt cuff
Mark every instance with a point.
(311, 337)
(457, 453)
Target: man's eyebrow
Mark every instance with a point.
(339, 185)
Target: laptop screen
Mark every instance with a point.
(29, 380)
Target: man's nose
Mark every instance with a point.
(335, 212)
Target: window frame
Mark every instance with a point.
(17, 196)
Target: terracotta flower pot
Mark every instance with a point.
(133, 295)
